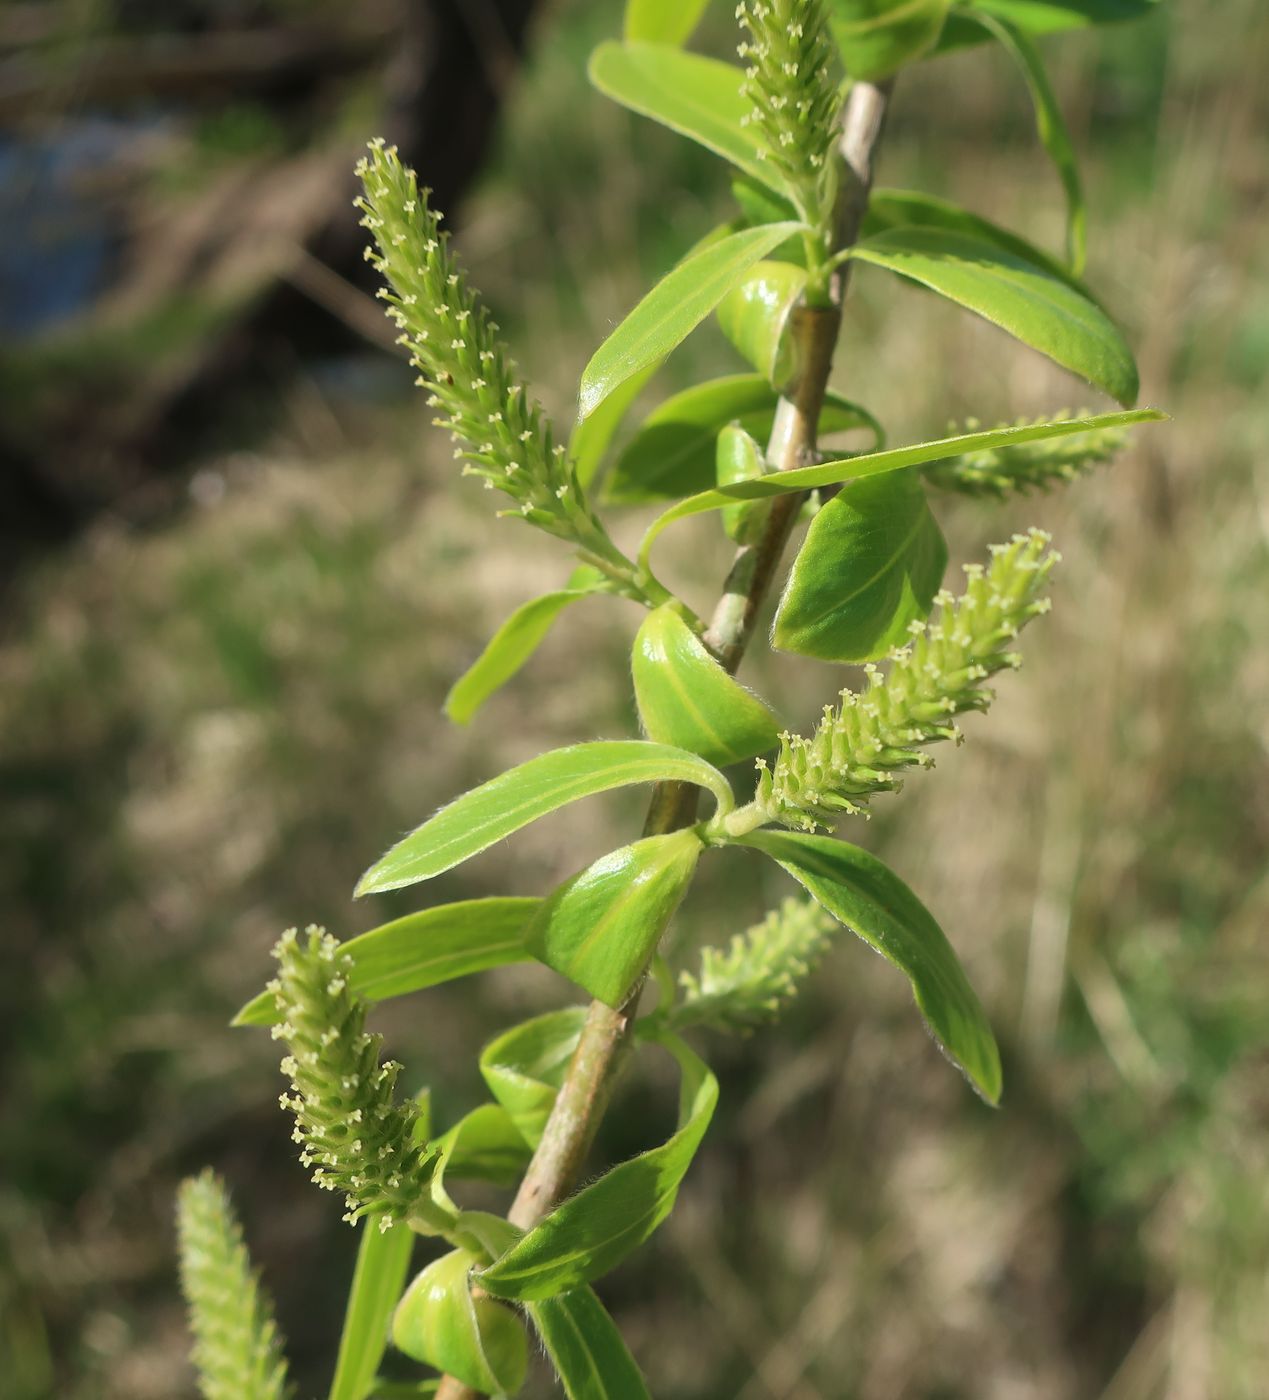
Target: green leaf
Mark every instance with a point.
(673, 452)
(424, 949)
(1039, 310)
(686, 698)
(486, 814)
(514, 643)
(525, 1067)
(591, 437)
(383, 1259)
(878, 463)
(877, 37)
(1051, 129)
(889, 209)
(1041, 17)
(755, 318)
(698, 97)
(601, 927)
(739, 458)
(586, 1349)
(593, 1231)
(474, 1339)
(870, 565)
(484, 1145)
(869, 898)
(663, 21)
(678, 303)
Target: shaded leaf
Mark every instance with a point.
(601, 927)
(525, 1067)
(1047, 314)
(1041, 17)
(484, 1145)
(870, 565)
(678, 303)
(424, 949)
(870, 899)
(877, 37)
(683, 692)
(593, 1231)
(486, 814)
(586, 1349)
(383, 1260)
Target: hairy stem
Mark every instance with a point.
(583, 1096)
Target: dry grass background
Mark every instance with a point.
(209, 726)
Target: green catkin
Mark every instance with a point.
(351, 1130)
(500, 433)
(237, 1351)
(1027, 466)
(794, 99)
(869, 738)
(752, 980)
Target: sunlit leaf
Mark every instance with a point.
(593, 1231)
(424, 949)
(484, 1145)
(1040, 310)
(601, 927)
(486, 814)
(383, 1259)
(870, 565)
(877, 37)
(738, 457)
(669, 313)
(585, 1347)
(525, 1066)
(591, 437)
(663, 21)
(870, 899)
(755, 318)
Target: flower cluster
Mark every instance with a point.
(795, 100)
(757, 974)
(353, 1133)
(867, 739)
(236, 1346)
(1025, 466)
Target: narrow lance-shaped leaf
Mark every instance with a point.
(870, 566)
(600, 928)
(591, 437)
(525, 1066)
(486, 814)
(674, 308)
(1050, 127)
(878, 463)
(593, 1231)
(673, 453)
(1040, 17)
(383, 1259)
(1047, 314)
(869, 898)
(700, 98)
(663, 21)
(514, 643)
(686, 698)
(586, 1349)
(423, 950)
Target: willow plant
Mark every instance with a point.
(798, 122)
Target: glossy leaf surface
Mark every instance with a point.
(1050, 127)
(1047, 314)
(698, 97)
(476, 1340)
(871, 564)
(593, 1231)
(877, 37)
(525, 1067)
(870, 899)
(600, 928)
(738, 457)
(591, 437)
(383, 1260)
(424, 949)
(755, 318)
(673, 453)
(586, 1349)
(673, 309)
(683, 692)
(663, 21)
(513, 644)
(878, 463)
(487, 814)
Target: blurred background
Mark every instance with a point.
(238, 575)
